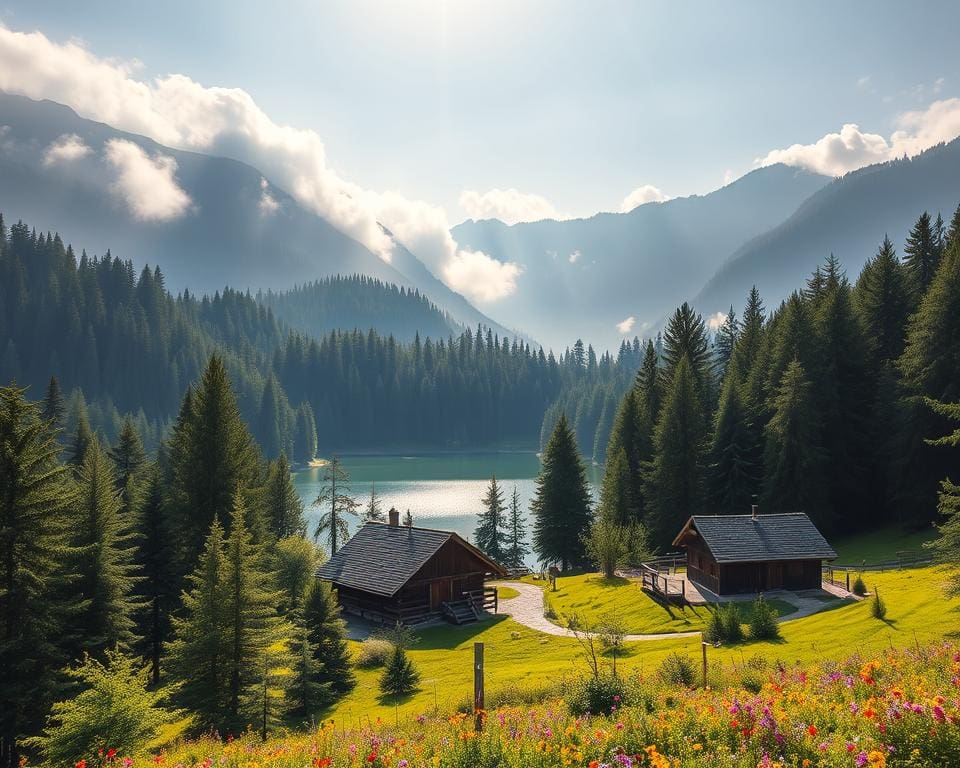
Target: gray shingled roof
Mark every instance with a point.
(744, 539)
(381, 558)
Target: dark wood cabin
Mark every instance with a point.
(391, 572)
(731, 554)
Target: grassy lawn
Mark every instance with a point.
(917, 612)
(881, 545)
(594, 597)
(506, 593)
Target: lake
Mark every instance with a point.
(441, 490)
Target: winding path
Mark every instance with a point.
(527, 609)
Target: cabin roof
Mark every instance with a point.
(381, 558)
(747, 539)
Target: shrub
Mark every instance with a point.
(115, 710)
(677, 669)
(751, 681)
(374, 652)
(763, 621)
(400, 676)
(724, 625)
(596, 695)
(877, 606)
(548, 611)
(859, 588)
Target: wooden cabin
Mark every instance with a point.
(389, 572)
(730, 554)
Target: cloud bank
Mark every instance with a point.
(645, 194)
(852, 148)
(66, 149)
(625, 326)
(177, 111)
(147, 185)
(511, 206)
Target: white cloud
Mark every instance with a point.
(729, 176)
(863, 81)
(179, 112)
(716, 320)
(574, 257)
(268, 203)
(67, 148)
(645, 194)
(511, 206)
(147, 185)
(851, 148)
(625, 326)
(476, 274)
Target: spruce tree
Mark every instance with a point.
(105, 565)
(794, 457)
(36, 503)
(614, 503)
(283, 505)
(920, 256)
(490, 535)
(726, 340)
(54, 408)
(882, 301)
(676, 474)
(561, 504)
(734, 477)
(749, 339)
(335, 503)
(80, 442)
(517, 548)
(686, 337)
(306, 693)
(373, 511)
(295, 561)
(128, 457)
(327, 634)
(947, 547)
(399, 677)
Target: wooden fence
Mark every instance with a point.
(670, 589)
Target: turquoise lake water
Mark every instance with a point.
(441, 491)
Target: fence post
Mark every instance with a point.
(848, 581)
(478, 686)
(703, 648)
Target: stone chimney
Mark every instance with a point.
(753, 512)
(394, 516)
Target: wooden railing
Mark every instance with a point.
(700, 576)
(485, 599)
(651, 580)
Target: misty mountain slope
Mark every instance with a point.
(583, 276)
(238, 230)
(848, 218)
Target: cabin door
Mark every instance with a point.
(439, 593)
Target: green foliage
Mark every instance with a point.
(54, 408)
(399, 676)
(859, 588)
(334, 501)
(608, 545)
(724, 625)
(921, 254)
(374, 652)
(490, 535)
(295, 562)
(878, 606)
(114, 709)
(128, 458)
(763, 621)
(283, 506)
(327, 633)
(373, 512)
(561, 505)
(517, 548)
(591, 695)
(733, 476)
(677, 669)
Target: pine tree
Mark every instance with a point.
(373, 511)
(283, 505)
(408, 519)
(947, 548)
(399, 677)
(295, 561)
(794, 457)
(54, 408)
(561, 504)
(334, 501)
(726, 340)
(614, 503)
(104, 563)
(882, 301)
(490, 535)
(327, 634)
(517, 548)
(686, 337)
(306, 693)
(675, 479)
(128, 457)
(748, 343)
(36, 500)
(920, 256)
(734, 478)
(80, 442)
(200, 649)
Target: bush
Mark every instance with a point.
(548, 611)
(877, 606)
(751, 681)
(596, 695)
(859, 588)
(763, 622)
(374, 652)
(724, 625)
(115, 710)
(677, 669)
(400, 676)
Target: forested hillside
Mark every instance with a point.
(119, 343)
(359, 302)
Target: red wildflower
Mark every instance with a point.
(812, 730)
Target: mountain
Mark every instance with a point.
(847, 218)
(584, 276)
(228, 236)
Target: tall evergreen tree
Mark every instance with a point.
(561, 505)
(794, 457)
(517, 548)
(128, 458)
(283, 505)
(335, 502)
(80, 442)
(726, 340)
(734, 477)
(920, 255)
(947, 547)
(750, 337)
(105, 561)
(490, 535)
(36, 501)
(54, 408)
(373, 511)
(882, 300)
(686, 337)
(326, 632)
(675, 479)
(614, 503)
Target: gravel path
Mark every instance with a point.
(527, 609)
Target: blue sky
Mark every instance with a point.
(577, 102)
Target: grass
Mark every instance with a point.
(918, 613)
(507, 593)
(881, 545)
(593, 597)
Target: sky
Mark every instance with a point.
(428, 112)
